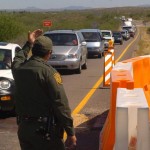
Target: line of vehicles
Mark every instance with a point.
(71, 49)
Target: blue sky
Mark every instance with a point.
(46, 4)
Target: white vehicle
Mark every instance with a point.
(7, 53)
(107, 35)
(130, 19)
(127, 23)
(123, 18)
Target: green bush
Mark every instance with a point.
(15, 25)
(10, 28)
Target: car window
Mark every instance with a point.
(116, 34)
(91, 36)
(127, 28)
(5, 59)
(63, 39)
(106, 34)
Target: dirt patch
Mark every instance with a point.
(143, 47)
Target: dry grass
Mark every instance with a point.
(144, 43)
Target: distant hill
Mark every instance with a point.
(148, 5)
(59, 9)
(34, 9)
(76, 8)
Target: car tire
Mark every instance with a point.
(78, 71)
(85, 65)
(121, 43)
(103, 54)
(100, 55)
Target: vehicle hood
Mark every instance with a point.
(93, 44)
(6, 73)
(108, 38)
(64, 49)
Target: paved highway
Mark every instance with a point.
(88, 99)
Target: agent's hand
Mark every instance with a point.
(33, 35)
(71, 143)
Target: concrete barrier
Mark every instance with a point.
(132, 120)
(128, 74)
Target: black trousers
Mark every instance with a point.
(30, 140)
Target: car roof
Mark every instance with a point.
(106, 31)
(90, 30)
(60, 31)
(126, 26)
(10, 46)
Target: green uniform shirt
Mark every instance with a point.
(38, 88)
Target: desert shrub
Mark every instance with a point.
(15, 25)
(148, 30)
(10, 28)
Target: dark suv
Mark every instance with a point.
(118, 37)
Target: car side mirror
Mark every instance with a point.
(83, 43)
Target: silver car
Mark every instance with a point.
(95, 42)
(125, 34)
(69, 50)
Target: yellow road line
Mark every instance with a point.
(94, 88)
(87, 97)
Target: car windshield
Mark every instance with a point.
(123, 32)
(91, 36)
(116, 34)
(127, 28)
(5, 59)
(106, 34)
(63, 39)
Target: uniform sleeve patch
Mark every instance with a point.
(58, 78)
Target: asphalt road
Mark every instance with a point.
(88, 99)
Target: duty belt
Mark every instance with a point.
(29, 118)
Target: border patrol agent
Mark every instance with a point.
(43, 112)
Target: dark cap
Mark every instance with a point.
(42, 45)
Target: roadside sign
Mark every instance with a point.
(47, 23)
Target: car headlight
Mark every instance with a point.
(5, 84)
(71, 56)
